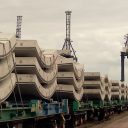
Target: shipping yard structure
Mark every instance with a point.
(50, 88)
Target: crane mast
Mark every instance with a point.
(67, 44)
(18, 27)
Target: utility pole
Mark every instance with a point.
(18, 27)
(67, 44)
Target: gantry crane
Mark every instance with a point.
(124, 53)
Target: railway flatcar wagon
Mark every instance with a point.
(81, 112)
(34, 113)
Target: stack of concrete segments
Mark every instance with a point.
(70, 77)
(123, 90)
(107, 84)
(7, 64)
(115, 90)
(94, 88)
(126, 91)
(36, 70)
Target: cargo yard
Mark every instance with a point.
(51, 88)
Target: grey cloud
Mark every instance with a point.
(97, 32)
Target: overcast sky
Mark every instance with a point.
(98, 27)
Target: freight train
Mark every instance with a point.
(49, 89)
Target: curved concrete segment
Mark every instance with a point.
(94, 87)
(6, 66)
(69, 78)
(7, 44)
(123, 91)
(31, 87)
(30, 48)
(115, 90)
(31, 65)
(69, 65)
(7, 86)
(107, 86)
(68, 91)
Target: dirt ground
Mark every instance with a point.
(116, 121)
